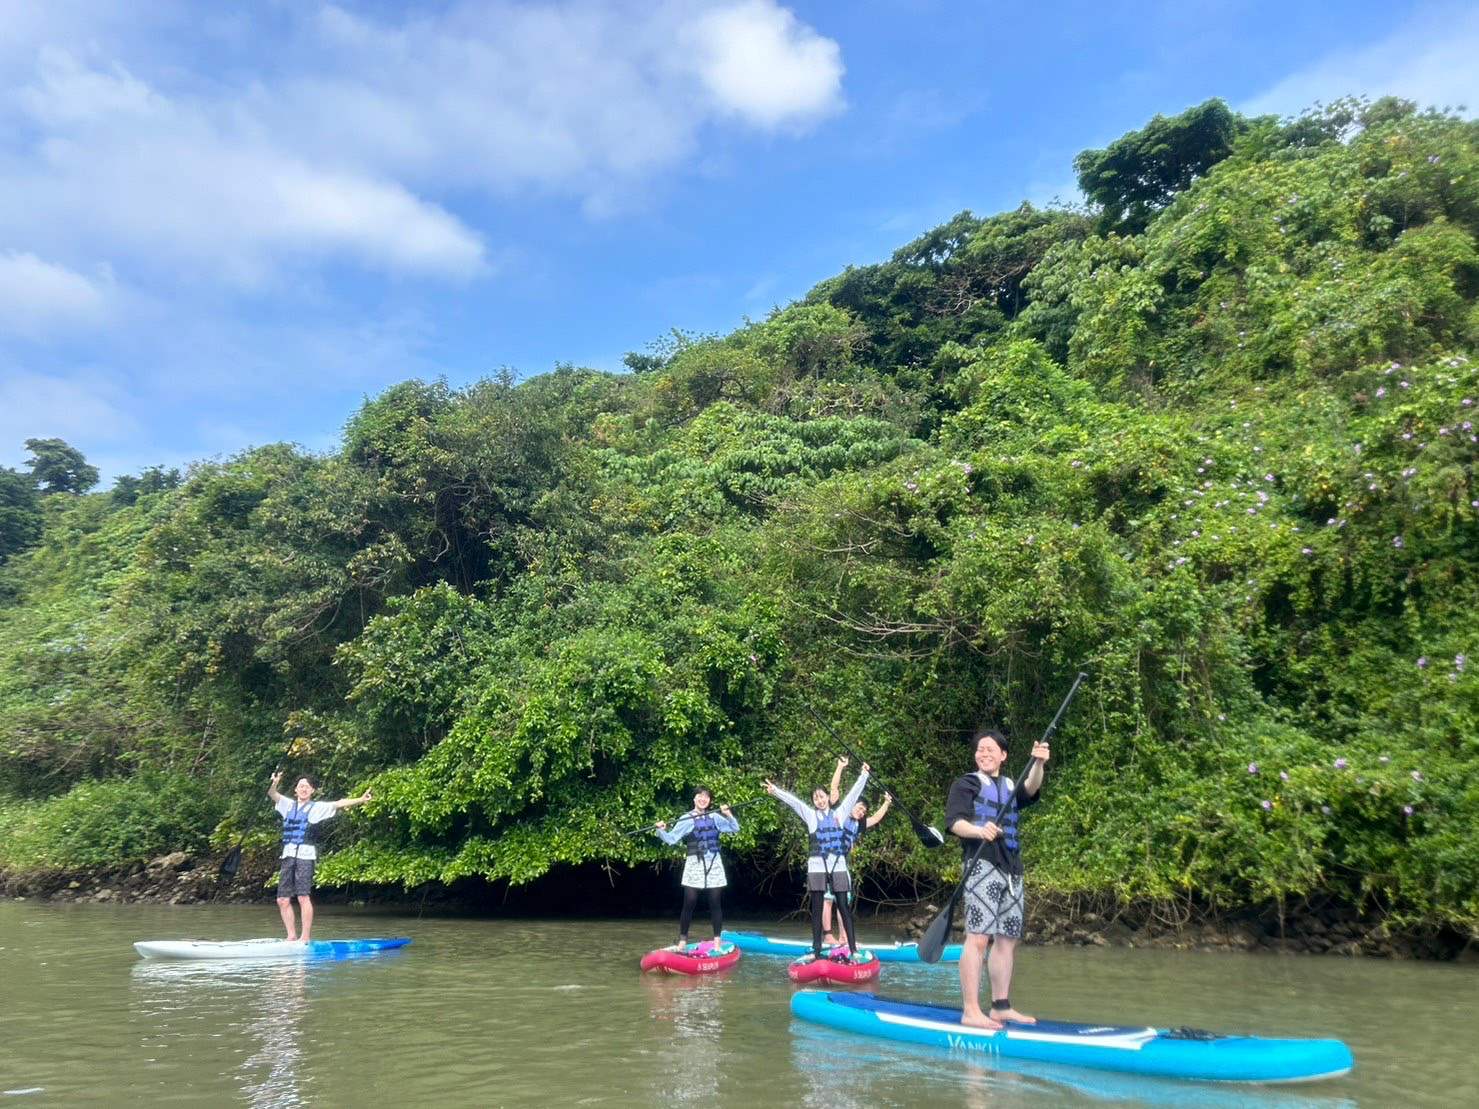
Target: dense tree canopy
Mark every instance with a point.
(58, 467)
(1213, 443)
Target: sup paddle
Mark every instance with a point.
(928, 834)
(232, 862)
(711, 809)
(932, 943)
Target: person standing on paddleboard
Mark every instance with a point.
(300, 818)
(852, 830)
(826, 863)
(704, 870)
(984, 805)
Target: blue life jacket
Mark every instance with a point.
(852, 831)
(994, 793)
(295, 827)
(703, 839)
(829, 838)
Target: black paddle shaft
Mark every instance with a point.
(711, 809)
(929, 836)
(232, 862)
(932, 944)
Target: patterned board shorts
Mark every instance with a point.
(695, 877)
(295, 878)
(995, 903)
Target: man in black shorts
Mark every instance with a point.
(983, 805)
(300, 817)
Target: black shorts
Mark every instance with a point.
(295, 878)
(839, 882)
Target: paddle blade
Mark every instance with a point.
(231, 863)
(928, 834)
(932, 943)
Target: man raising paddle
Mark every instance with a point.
(300, 818)
(983, 805)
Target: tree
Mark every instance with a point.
(59, 467)
(1139, 173)
(20, 512)
(128, 488)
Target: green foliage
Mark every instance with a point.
(58, 467)
(107, 824)
(20, 512)
(128, 488)
(1138, 174)
(1219, 452)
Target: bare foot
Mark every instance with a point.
(978, 1019)
(1013, 1016)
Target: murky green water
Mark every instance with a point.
(492, 1012)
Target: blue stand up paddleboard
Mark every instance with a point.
(265, 949)
(1163, 1053)
(755, 944)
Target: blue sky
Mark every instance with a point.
(224, 226)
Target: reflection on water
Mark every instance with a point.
(688, 1012)
(545, 1013)
(270, 1077)
(238, 1006)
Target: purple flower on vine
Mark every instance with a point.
(1283, 775)
(1325, 809)
(1406, 810)
(1252, 768)
(1422, 662)
(1341, 764)
(1399, 542)
(1268, 806)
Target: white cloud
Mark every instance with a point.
(162, 182)
(38, 297)
(1431, 61)
(342, 135)
(761, 63)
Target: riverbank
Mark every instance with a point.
(1310, 928)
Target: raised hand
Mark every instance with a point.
(662, 825)
(1040, 751)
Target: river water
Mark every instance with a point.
(554, 1013)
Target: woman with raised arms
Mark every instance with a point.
(826, 862)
